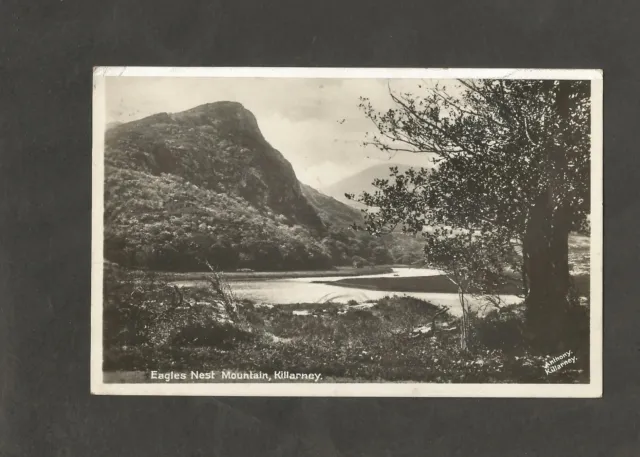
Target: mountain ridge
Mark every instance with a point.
(205, 184)
(217, 146)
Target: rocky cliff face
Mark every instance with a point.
(217, 146)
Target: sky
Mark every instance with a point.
(315, 123)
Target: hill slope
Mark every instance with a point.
(205, 184)
(330, 210)
(360, 182)
(217, 146)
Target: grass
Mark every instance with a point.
(146, 330)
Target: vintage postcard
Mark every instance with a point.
(347, 232)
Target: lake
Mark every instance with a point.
(307, 290)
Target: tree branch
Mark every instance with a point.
(413, 113)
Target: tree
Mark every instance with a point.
(381, 256)
(358, 262)
(475, 264)
(512, 159)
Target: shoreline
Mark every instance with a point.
(432, 284)
(264, 275)
(437, 284)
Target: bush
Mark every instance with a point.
(358, 262)
(378, 343)
(147, 319)
(131, 304)
(498, 329)
(220, 335)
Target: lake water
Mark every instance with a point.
(304, 290)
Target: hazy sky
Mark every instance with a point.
(299, 117)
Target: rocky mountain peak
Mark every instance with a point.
(217, 146)
(226, 116)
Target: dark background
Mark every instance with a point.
(47, 50)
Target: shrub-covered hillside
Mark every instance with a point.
(205, 185)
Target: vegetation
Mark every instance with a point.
(330, 210)
(512, 168)
(474, 264)
(202, 190)
(166, 223)
(204, 183)
(149, 326)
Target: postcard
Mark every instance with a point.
(347, 232)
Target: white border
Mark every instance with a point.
(594, 389)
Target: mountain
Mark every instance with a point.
(330, 210)
(204, 184)
(360, 182)
(217, 146)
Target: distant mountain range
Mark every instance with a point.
(204, 184)
(360, 182)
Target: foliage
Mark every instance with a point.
(512, 163)
(358, 262)
(477, 264)
(405, 249)
(166, 223)
(221, 287)
(492, 147)
(144, 311)
(474, 263)
(205, 183)
(376, 342)
(218, 147)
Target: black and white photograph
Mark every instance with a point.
(347, 232)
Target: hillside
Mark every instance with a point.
(205, 184)
(360, 182)
(217, 146)
(330, 210)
